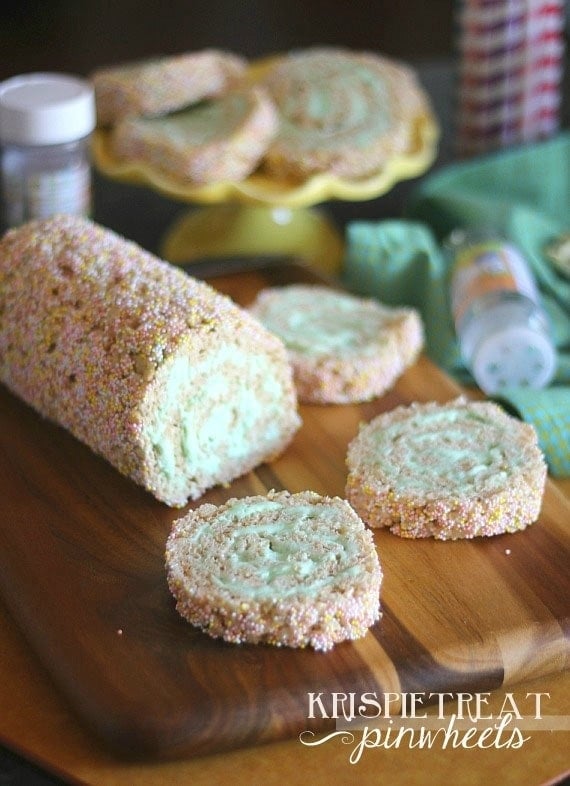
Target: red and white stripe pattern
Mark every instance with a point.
(511, 61)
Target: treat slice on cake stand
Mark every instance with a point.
(272, 211)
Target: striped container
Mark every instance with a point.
(510, 71)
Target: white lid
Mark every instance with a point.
(515, 357)
(45, 109)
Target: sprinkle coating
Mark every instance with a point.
(221, 140)
(284, 569)
(342, 348)
(138, 360)
(457, 470)
(160, 85)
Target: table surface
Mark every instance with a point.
(37, 724)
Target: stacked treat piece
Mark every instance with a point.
(202, 117)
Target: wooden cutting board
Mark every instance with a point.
(82, 571)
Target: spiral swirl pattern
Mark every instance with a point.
(286, 569)
(457, 470)
(340, 112)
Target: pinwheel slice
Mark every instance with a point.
(458, 470)
(285, 569)
(342, 348)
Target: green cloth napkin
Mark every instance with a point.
(400, 263)
(549, 412)
(524, 194)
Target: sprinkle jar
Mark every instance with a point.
(45, 123)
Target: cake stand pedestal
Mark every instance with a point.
(235, 230)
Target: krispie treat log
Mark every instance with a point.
(457, 470)
(220, 140)
(342, 348)
(163, 84)
(341, 112)
(170, 381)
(285, 569)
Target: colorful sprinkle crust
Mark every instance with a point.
(342, 348)
(220, 140)
(291, 570)
(341, 112)
(171, 382)
(457, 470)
(163, 84)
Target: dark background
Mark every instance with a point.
(79, 35)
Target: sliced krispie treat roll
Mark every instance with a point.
(221, 140)
(286, 569)
(341, 112)
(457, 470)
(342, 348)
(170, 381)
(163, 84)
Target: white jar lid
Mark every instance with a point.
(514, 357)
(45, 109)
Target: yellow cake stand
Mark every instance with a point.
(260, 215)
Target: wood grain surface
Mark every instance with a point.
(82, 572)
